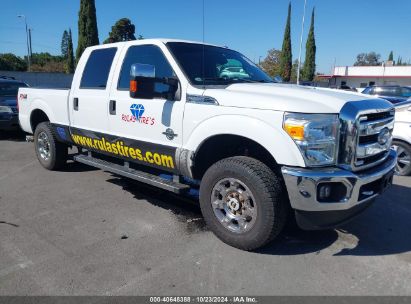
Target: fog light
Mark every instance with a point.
(324, 192)
(331, 192)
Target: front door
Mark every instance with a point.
(153, 125)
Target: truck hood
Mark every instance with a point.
(283, 97)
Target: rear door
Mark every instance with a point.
(89, 98)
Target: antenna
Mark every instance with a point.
(301, 45)
(203, 58)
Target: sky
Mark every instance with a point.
(343, 29)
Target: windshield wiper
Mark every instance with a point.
(253, 81)
(234, 80)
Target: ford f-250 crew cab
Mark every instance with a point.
(167, 113)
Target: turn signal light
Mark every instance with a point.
(133, 86)
(296, 132)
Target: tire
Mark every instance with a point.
(243, 187)
(51, 154)
(403, 166)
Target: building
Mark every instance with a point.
(363, 76)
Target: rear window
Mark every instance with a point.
(95, 74)
(10, 88)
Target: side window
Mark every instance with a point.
(95, 74)
(146, 54)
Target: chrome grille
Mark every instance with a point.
(366, 133)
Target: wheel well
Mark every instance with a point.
(222, 146)
(37, 116)
(401, 140)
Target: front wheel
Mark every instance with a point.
(403, 166)
(243, 202)
(51, 154)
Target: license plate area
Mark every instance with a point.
(376, 187)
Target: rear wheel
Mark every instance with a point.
(403, 166)
(51, 154)
(243, 202)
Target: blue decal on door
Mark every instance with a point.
(137, 110)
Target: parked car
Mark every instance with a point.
(402, 137)
(157, 111)
(9, 87)
(399, 96)
(393, 94)
(233, 73)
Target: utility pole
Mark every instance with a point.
(31, 50)
(28, 42)
(301, 44)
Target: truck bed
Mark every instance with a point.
(53, 102)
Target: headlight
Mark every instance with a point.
(5, 109)
(315, 135)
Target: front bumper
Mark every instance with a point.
(9, 122)
(356, 191)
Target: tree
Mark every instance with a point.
(122, 30)
(391, 56)
(87, 26)
(11, 62)
(45, 62)
(286, 54)
(64, 44)
(308, 72)
(70, 55)
(271, 63)
(368, 59)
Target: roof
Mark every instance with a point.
(9, 79)
(153, 40)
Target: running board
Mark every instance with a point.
(137, 175)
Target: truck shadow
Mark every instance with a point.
(383, 229)
(17, 135)
(73, 166)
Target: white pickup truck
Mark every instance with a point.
(182, 115)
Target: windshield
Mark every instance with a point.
(10, 88)
(218, 66)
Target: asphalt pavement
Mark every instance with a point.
(88, 232)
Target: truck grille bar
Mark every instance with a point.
(366, 133)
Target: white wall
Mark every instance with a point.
(380, 75)
(356, 82)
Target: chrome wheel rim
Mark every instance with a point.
(43, 145)
(234, 205)
(403, 159)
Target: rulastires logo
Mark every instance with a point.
(137, 111)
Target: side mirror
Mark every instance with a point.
(145, 85)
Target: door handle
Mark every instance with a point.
(112, 107)
(75, 104)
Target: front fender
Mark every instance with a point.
(274, 140)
